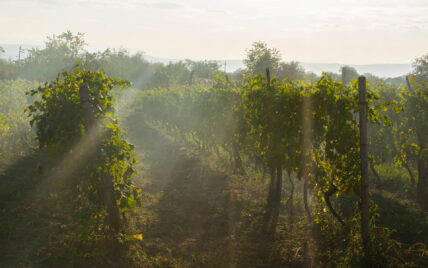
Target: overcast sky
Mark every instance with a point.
(348, 31)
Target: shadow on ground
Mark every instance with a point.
(193, 204)
(24, 222)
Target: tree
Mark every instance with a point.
(7, 68)
(119, 63)
(291, 70)
(348, 74)
(204, 69)
(420, 66)
(66, 44)
(170, 75)
(60, 53)
(260, 57)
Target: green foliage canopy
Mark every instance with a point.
(61, 126)
(259, 57)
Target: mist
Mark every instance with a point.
(249, 152)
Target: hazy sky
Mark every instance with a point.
(351, 31)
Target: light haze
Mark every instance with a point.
(351, 32)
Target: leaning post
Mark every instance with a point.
(365, 210)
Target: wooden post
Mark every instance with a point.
(19, 54)
(267, 138)
(268, 75)
(365, 216)
(408, 83)
(191, 77)
(305, 200)
(107, 189)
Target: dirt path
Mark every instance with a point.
(192, 206)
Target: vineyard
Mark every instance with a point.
(199, 168)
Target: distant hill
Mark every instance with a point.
(381, 70)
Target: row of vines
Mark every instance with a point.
(75, 123)
(288, 127)
(282, 128)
